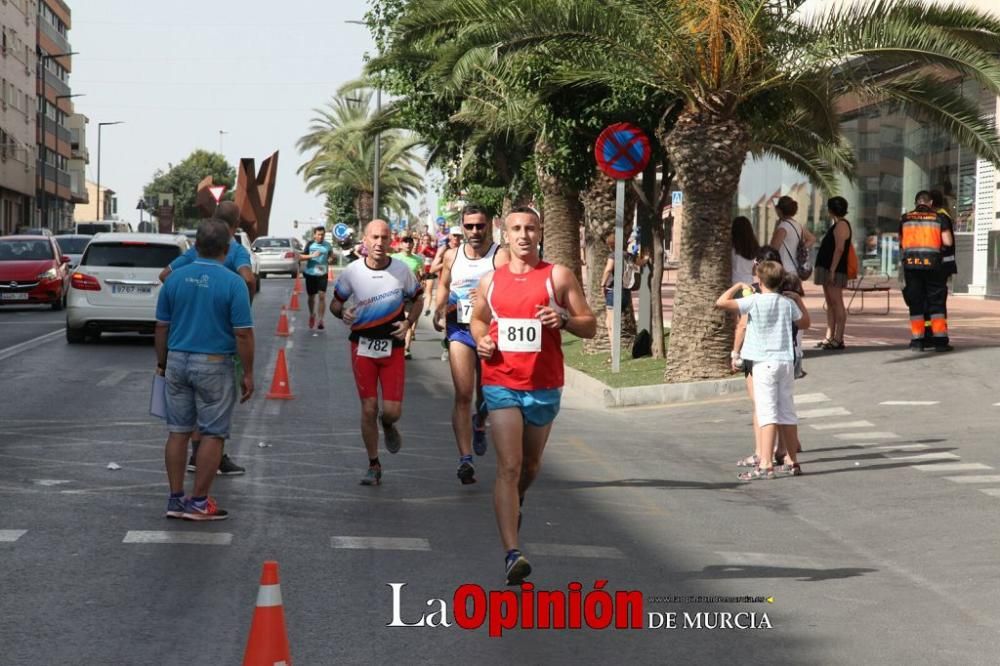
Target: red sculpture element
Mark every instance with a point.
(254, 192)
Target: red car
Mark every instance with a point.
(32, 270)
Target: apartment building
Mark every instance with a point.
(18, 117)
(54, 190)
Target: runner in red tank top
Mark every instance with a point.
(517, 333)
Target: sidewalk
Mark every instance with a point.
(973, 322)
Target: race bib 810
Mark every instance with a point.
(519, 335)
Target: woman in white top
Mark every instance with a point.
(786, 235)
(745, 247)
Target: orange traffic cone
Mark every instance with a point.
(298, 284)
(268, 642)
(329, 274)
(293, 305)
(283, 324)
(280, 390)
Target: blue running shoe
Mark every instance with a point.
(175, 507)
(203, 511)
(479, 444)
(518, 568)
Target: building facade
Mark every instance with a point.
(54, 193)
(79, 159)
(18, 119)
(86, 211)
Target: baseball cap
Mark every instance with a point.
(455, 231)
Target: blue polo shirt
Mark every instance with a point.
(203, 302)
(236, 258)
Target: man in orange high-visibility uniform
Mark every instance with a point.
(924, 234)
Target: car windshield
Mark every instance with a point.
(72, 245)
(92, 227)
(130, 255)
(271, 243)
(25, 250)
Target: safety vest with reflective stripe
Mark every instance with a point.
(920, 239)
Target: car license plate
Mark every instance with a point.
(130, 290)
(15, 296)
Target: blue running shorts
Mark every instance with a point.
(539, 407)
(460, 333)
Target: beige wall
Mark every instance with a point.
(17, 98)
(87, 212)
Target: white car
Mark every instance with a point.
(244, 240)
(116, 285)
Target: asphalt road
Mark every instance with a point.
(873, 557)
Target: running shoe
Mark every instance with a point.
(466, 473)
(373, 477)
(407, 355)
(393, 440)
(312, 321)
(479, 444)
(320, 325)
(203, 511)
(444, 355)
(175, 507)
(228, 468)
(518, 568)
(191, 464)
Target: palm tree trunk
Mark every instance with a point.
(562, 213)
(708, 154)
(364, 206)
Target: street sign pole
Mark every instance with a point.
(616, 335)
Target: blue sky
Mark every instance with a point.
(178, 72)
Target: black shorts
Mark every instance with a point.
(315, 283)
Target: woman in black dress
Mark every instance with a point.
(831, 272)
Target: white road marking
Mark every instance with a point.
(901, 447)
(49, 482)
(910, 403)
(807, 398)
(995, 492)
(843, 425)
(824, 411)
(9, 536)
(379, 543)
(981, 478)
(289, 344)
(953, 467)
(734, 559)
(927, 456)
(30, 344)
(191, 538)
(573, 550)
(115, 378)
(859, 436)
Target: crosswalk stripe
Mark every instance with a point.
(910, 403)
(190, 538)
(115, 378)
(952, 467)
(995, 492)
(808, 398)
(980, 478)
(573, 550)
(735, 559)
(927, 456)
(824, 411)
(379, 543)
(9, 536)
(858, 436)
(843, 425)
(901, 447)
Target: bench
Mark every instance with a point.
(877, 284)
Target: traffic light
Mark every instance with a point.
(296, 224)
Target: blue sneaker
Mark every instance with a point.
(479, 444)
(518, 568)
(175, 507)
(203, 511)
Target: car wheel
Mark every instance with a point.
(263, 275)
(59, 304)
(258, 283)
(75, 336)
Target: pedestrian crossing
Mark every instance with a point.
(922, 460)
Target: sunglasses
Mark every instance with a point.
(476, 227)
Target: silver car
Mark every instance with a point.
(276, 255)
(72, 246)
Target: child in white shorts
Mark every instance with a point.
(770, 345)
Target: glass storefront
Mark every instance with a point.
(898, 154)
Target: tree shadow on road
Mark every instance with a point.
(642, 483)
(730, 571)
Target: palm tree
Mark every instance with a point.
(743, 72)
(343, 156)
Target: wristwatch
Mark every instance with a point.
(564, 319)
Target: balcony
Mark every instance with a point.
(57, 84)
(59, 40)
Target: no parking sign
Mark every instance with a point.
(622, 151)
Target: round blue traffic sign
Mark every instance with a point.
(341, 231)
(622, 151)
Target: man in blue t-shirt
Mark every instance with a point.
(238, 261)
(317, 254)
(203, 320)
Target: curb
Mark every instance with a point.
(585, 386)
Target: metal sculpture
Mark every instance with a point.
(254, 195)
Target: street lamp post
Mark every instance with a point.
(45, 114)
(100, 212)
(377, 171)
